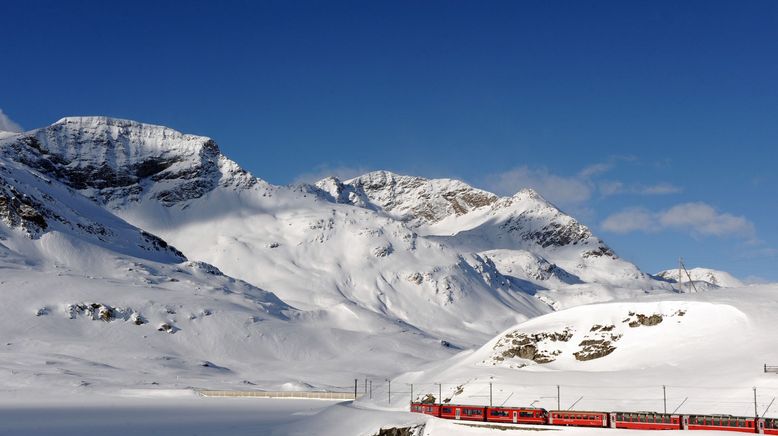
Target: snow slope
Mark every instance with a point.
(702, 276)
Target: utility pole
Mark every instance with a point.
(355, 388)
(558, 400)
(680, 277)
(664, 397)
(490, 394)
(440, 394)
(411, 393)
(756, 412)
(365, 385)
(390, 391)
(371, 389)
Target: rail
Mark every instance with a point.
(310, 395)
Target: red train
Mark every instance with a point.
(632, 420)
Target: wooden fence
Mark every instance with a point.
(311, 395)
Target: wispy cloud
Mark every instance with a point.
(576, 189)
(615, 187)
(9, 125)
(660, 189)
(563, 190)
(698, 219)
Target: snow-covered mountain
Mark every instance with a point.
(702, 277)
(357, 271)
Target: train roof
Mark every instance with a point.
(577, 411)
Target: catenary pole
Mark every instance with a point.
(756, 412)
(664, 397)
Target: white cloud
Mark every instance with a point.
(630, 220)
(342, 172)
(8, 125)
(699, 219)
(703, 219)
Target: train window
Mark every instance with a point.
(446, 410)
(526, 414)
(499, 413)
(708, 421)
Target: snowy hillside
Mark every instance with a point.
(617, 356)
(702, 276)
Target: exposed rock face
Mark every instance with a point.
(534, 346)
(644, 320)
(416, 199)
(20, 211)
(401, 431)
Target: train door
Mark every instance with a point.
(458, 413)
(515, 417)
(685, 422)
(612, 418)
(760, 426)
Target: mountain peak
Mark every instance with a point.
(116, 160)
(420, 200)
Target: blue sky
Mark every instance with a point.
(653, 122)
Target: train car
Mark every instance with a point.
(465, 413)
(725, 423)
(516, 415)
(770, 425)
(646, 421)
(427, 409)
(577, 418)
